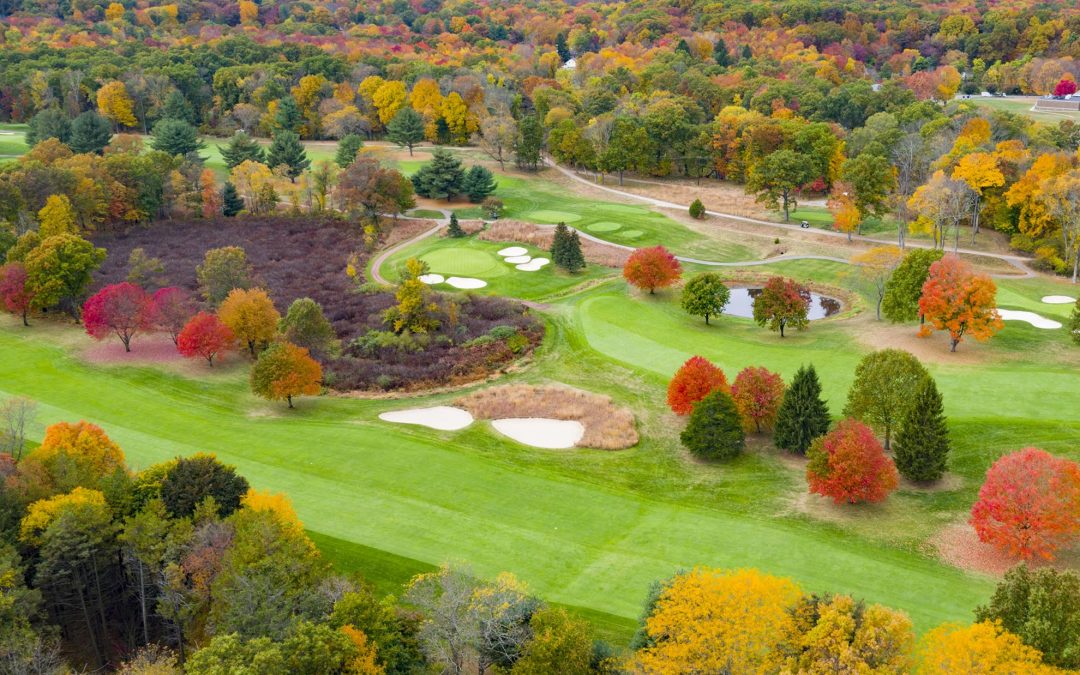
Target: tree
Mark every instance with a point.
(15, 293)
(206, 336)
(70, 456)
(1074, 322)
(190, 480)
(366, 185)
(222, 270)
(705, 295)
(1060, 198)
(850, 466)
(1038, 606)
(838, 634)
(529, 143)
(497, 136)
(1029, 505)
(305, 325)
(981, 648)
(347, 150)
(921, 449)
(177, 107)
(903, 289)
(875, 268)
(90, 133)
(714, 430)
(479, 182)
(285, 370)
(871, 179)
(406, 129)
(115, 104)
(241, 147)
(758, 394)
(231, 203)
(16, 415)
(956, 299)
(566, 249)
(172, 308)
(414, 312)
(176, 137)
(626, 147)
(714, 621)
(287, 117)
(560, 643)
(441, 178)
(60, 269)
(652, 268)
(782, 302)
(979, 171)
(145, 271)
(885, 386)
(286, 148)
(803, 415)
(49, 123)
(697, 209)
(57, 217)
(720, 53)
(777, 179)
(942, 203)
(124, 309)
(251, 316)
(453, 228)
(694, 380)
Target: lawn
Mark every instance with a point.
(12, 141)
(1022, 107)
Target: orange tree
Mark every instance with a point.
(251, 316)
(283, 371)
(849, 465)
(976, 650)
(783, 302)
(694, 380)
(758, 394)
(956, 299)
(206, 336)
(652, 268)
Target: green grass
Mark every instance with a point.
(12, 141)
(424, 213)
(1023, 107)
(821, 217)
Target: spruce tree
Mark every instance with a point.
(176, 137)
(242, 147)
(454, 228)
(529, 143)
(231, 203)
(574, 259)
(347, 149)
(921, 447)
(803, 416)
(559, 244)
(49, 123)
(287, 149)
(90, 132)
(479, 183)
(441, 178)
(406, 129)
(288, 117)
(715, 428)
(177, 107)
(720, 53)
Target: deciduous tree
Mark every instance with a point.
(758, 394)
(60, 269)
(15, 292)
(367, 186)
(123, 309)
(57, 217)
(251, 316)
(305, 325)
(777, 179)
(850, 466)
(71, 455)
(414, 312)
(285, 370)
(875, 268)
(715, 429)
(904, 287)
(980, 172)
(190, 480)
(978, 649)
(871, 179)
(694, 380)
(206, 336)
(497, 136)
(115, 104)
(885, 386)
(172, 308)
(705, 295)
(652, 268)
(782, 302)
(803, 415)
(222, 270)
(560, 643)
(956, 299)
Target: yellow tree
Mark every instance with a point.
(251, 316)
(251, 179)
(44, 512)
(948, 82)
(461, 122)
(846, 216)
(249, 12)
(114, 11)
(285, 370)
(115, 104)
(70, 455)
(1026, 192)
(941, 203)
(308, 93)
(715, 621)
(1061, 199)
(57, 217)
(875, 266)
(426, 99)
(981, 649)
(979, 171)
(388, 99)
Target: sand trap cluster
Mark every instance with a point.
(431, 279)
(441, 417)
(541, 432)
(1058, 300)
(519, 257)
(515, 259)
(533, 265)
(513, 251)
(1031, 317)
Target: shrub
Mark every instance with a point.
(715, 428)
(694, 380)
(697, 209)
(849, 465)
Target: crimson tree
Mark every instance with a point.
(123, 309)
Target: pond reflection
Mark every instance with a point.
(741, 304)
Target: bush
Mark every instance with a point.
(697, 209)
(715, 428)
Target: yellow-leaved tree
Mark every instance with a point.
(115, 104)
(44, 512)
(57, 217)
(461, 122)
(981, 649)
(251, 316)
(388, 99)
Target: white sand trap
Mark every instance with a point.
(441, 417)
(541, 432)
(513, 250)
(1058, 300)
(466, 283)
(533, 265)
(517, 259)
(431, 279)
(1031, 317)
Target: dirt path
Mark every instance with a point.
(377, 262)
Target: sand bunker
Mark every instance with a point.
(533, 265)
(1031, 317)
(1058, 300)
(541, 432)
(466, 283)
(516, 259)
(441, 417)
(431, 279)
(513, 250)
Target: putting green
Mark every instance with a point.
(623, 208)
(462, 261)
(631, 234)
(548, 216)
(604, 226)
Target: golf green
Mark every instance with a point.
(461, 261)
(604, 226)
(546, 215)
(631, 234)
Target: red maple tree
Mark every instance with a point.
(1065, 87)
(1029, 505)
(123, 309)
(694, 380)
(849, 465)
(652, 268)
(758, 393)
(173, 308)
(782, 303)
(206, 336)
(14, 292)
(956, 299)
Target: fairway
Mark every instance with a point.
(466, 262)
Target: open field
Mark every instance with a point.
(12, 141)
(1023, 105)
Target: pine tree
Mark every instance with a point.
(90, 132)
(562, 48)
(242, 147)
(287, 149)
(441, 178)
(574, 259)
(231, 203)
(479, 183)
(287, 117)
(715, 428)
(177, 107)
(559, 244)
(529, 143)
(720, 53)
(921, 447)
(406, 129)
(454, 229)
(803, 416)
(347, 149)
(176, 137)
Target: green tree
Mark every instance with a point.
(561, 644)
(904, 288)
(566, 249)
(391, 630)
(705, 295)
(49, 123)
(347, 149)
(626, 147)
(316, 648)
(453, 229)
(885, 386)
(286, 148)
(192, 479)
(478, 184)
(176, 137)
(406, 129)
(90, 132)
(529, 143)
(922, 437)
(872, 180)
(305, 325)
(714, 430)
(222, 270)
(177, 107)
(441, 178)
(288, 117)
(803, 415)
(720, 53)
(242, 147)
(1074, 322)
(697, 209)
(1041, 607)
(229, 653)
(231, 202)
(60, 269)
(777, 179)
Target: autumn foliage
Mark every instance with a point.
(758, 393)
(172, 309)
(124, 309)
(251, 316)
(782, 303)
(206, 336)
(15, 295)
(1029, 504)
(957, 300)
(70, 455)
(849, 465)
(694, 380)
(652, 268)
(977, 649)
(285, 370)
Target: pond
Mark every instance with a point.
(741, 303)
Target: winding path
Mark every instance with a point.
(377, 262)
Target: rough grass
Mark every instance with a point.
(607, 426)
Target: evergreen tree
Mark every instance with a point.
(242, 147)
(177, 108)
(747, 54)
(231, 203)
(575, 259)
(90, 132)
(1074, 322)
(454, 228)
(406, 129)
(803, 416)
(287, 117)
(697, 209)
(566, 249)
(441, 178)
(683, 47)
(347, 149)
(922, 441)
(715, 428)
(720, 53)
(49, 123)
(287, 149)
(562, 48)
(529, 142)
(176, 137)
(479, 183)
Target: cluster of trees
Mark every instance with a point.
(445, 178)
